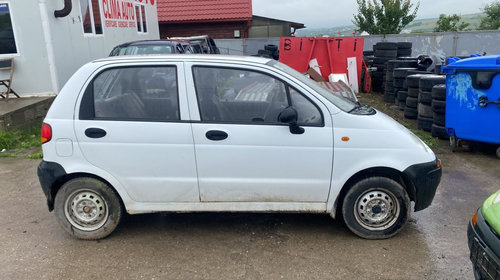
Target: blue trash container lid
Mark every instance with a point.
(491, 62)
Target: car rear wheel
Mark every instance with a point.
(376, 208)
(87, 208)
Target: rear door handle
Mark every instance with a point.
(216, 135)
(95, 132)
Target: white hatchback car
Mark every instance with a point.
(186, 133)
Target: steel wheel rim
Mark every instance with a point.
(86, 210)
(376, 209)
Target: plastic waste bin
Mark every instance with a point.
(473, 100)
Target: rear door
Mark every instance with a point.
(133, 123)
(243, 153)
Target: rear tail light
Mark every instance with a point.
(46, 133)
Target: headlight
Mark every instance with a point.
(497, 198)
(420, 143)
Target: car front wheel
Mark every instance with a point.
(87, 208)
(376, 208)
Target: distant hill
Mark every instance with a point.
(416, 26)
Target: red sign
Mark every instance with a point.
(121, 13)
(331, 53)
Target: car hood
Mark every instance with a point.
(491, 211)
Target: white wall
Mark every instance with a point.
(73, 49)
(51, 49)
(31, 65)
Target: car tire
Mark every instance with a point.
(425, 110)
(439, 132)
(413, 92)
(439, 92)
(425, 97)
(87, 208)
(386, 53)
(424, 123)
(439, 119)
(376, 208)
(386, 46)
(412, 102)
(410, 113)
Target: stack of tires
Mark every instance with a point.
(395, 84)
(425, 112)
(411, 109)
(402, 93)
(383, 52)
(269, 51)
(404, 49)
(439, 111)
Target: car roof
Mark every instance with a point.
(148, 42)
(181, 57)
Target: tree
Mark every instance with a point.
(384, 16)
(492, 19)
(450, 23)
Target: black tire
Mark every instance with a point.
(438, 106)
(401, 105)
(424, 123)
(376, 196)
(404, 52)
(413, 92)
(386, 53)
(260, 52)
(389, 97)
(368, 53)
(271, 48)
(398, 83)
(411, 102)
(404, 45)
(425, 110)
(402, 72)
(425, 97)
(428, 82)
(413, 80)
(410, 113)
(386, 46)
(439, 92)
(381, 60)
(402, 95)
(415, 72)
(95, 196)
(439, 119)
(439, 131)
(405, 63)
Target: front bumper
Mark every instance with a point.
(483, 242)
(424, 178)
(48, 174)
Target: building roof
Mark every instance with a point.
(184, 11)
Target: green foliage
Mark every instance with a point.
(16, 139)
(450, 23)
(36, 155)
(492, 19)
(384, 16)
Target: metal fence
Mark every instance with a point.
(438, 44)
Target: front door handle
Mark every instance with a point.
(95, 132)
(216, 135)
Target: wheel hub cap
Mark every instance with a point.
(376, 210)
(86, 210)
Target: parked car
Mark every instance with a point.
(189, 133)
(148, 47)
(483, 234)
(207, 43)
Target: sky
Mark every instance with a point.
(332, 13)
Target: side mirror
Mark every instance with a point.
(289, 115)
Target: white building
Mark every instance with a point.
(50, 39)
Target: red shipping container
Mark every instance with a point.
(331, 53)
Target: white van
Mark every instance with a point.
(188, 133)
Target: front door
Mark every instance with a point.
(243, 153)
(132, 125)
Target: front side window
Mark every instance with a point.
(91, 16)
(7, 39)
(133, 93)
(242, 96)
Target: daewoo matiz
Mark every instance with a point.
(188, 133)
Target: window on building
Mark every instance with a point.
(91, 15)
(7, 39)
(140, 13)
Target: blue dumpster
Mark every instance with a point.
(473, 100)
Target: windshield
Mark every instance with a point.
(337, 99)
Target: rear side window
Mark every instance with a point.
(132, 93)
(229, 95)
